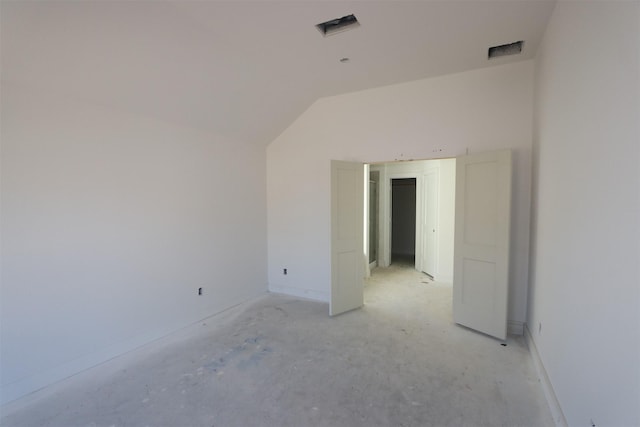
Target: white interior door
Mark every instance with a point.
(429, 222)
(481, 253)
(347, 227)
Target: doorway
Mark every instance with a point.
(374, 185)
(403, 221)
(417, 228)
(481, 207)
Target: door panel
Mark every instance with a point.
(429, 224)
(347, 223)
(481, 254)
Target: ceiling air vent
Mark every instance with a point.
(505, 49)
(338, 25)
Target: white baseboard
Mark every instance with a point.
(47, 378)
(515, 327)
(11, 394)
(300, 293)
(543, 378)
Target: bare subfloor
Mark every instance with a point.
(280, 361)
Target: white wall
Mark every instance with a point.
(480, 110)
(110, 223)
(585, 284)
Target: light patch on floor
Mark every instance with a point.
(280, 361)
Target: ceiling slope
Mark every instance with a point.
(246, 70)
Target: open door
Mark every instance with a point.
(429, 223)
(347, 227)
(481, 253)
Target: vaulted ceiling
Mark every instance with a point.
(246, 70)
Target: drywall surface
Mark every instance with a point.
(110, 224)
(479, 110)
(584, 296)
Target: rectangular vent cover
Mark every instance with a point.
(505, 49)
(338, 25)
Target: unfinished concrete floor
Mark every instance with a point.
(280, 361)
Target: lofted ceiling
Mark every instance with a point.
(246, 70)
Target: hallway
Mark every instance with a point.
(280, 361)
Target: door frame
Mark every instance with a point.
(384, 200)
(418, 226)
(386, 225)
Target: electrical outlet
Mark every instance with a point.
(199, 291)
(284, 271)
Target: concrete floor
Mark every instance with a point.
(280, 361)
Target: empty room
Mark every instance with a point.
(197, 213)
